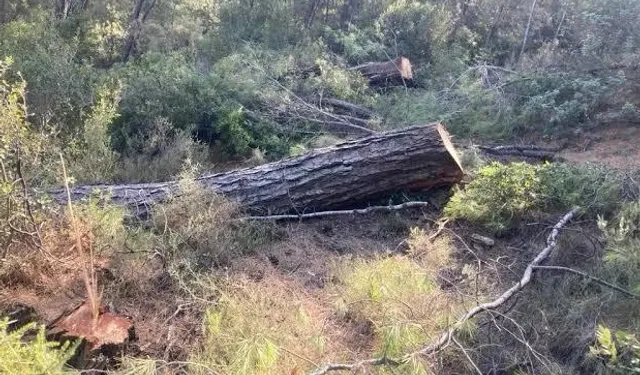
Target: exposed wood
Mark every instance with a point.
(108, 333)
(387, 73)
(315, 215)
(447, 336)
(331, 178)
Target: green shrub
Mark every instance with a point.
(92, 158)
(36, 357)
(622, 252)
(501, 194)
(596, 189)
(60, 88)
(620, 351)
(498, 195)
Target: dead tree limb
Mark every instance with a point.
(447, 336)
(315, 215)
(504, 297)
(590, 277)
(521, 151)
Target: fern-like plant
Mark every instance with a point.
(36, 357)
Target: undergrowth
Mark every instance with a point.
(399, 298)
(34, 357)
(502, 194)
(263, 327)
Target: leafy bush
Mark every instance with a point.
(501, 194)
(623, 245)
(93, 159)
(35, 357)
(620, 350)
(162, 154)
(498, 195)
(46, 60)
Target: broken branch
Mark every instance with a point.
(361, 211)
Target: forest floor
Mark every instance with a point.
(300, 266)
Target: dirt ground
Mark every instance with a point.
(618, 147)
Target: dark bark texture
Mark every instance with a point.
(336, 177)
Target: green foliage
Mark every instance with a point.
(35, 357)
(47, 61)
(620, 351)
(414, 28)
(597, 189)
(501, 194)
(397, 295)
(623, 245)
(24, 158)
(498, 195)
(93, 159)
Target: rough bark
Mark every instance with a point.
(387, 73)
(336, 177)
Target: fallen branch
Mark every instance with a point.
(360, 211)
(504, 297)
(353, 367)
(590, 277)
(521, 151)
(447, 336)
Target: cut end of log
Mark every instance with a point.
(105, 330)
(448, 145)
(404, 66)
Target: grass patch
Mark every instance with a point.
(268, 327)
(398, 297)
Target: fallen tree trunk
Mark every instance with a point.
(392, 72)
(344, 107)
(335, 177)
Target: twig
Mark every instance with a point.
(448, 336)
(590, 277)
(361, 211)
(464, 351)
(353, 366)
(524, 281)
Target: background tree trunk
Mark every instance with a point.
(336, 177)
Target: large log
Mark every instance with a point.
(387, 73)
(336, 177)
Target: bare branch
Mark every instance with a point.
(448, 336)
(361, 211)
(590, 277)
